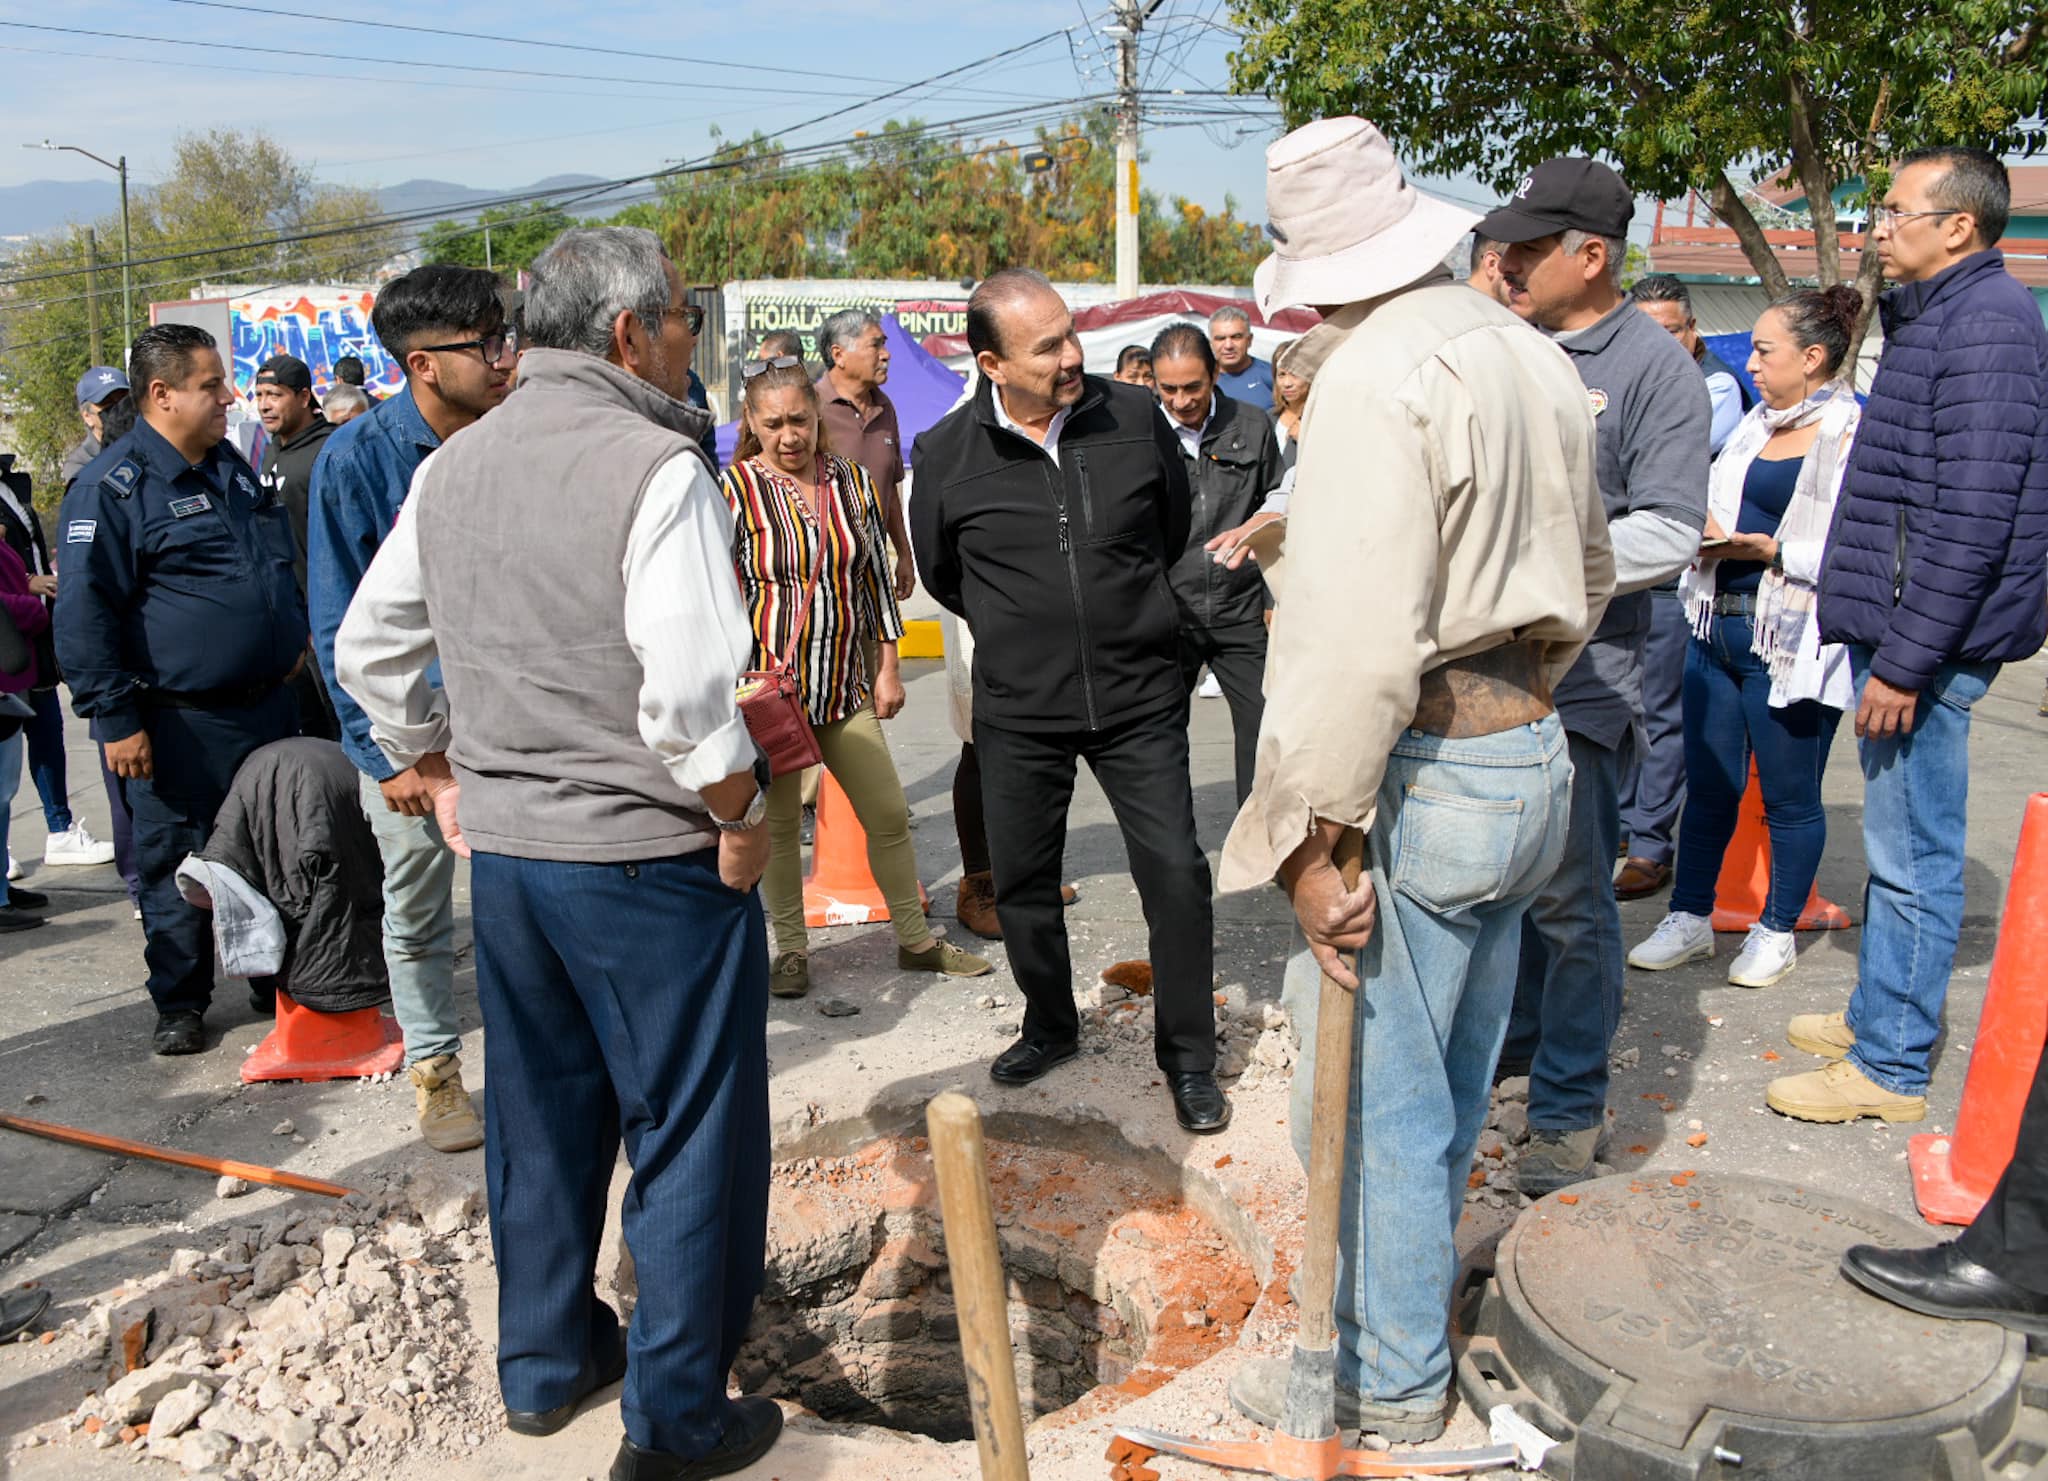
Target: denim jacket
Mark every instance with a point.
(359, 482)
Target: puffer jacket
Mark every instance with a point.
(1940, 548)
(293, 828)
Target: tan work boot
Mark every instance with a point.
(1840, 1092)
(448, 1122)
(976, 909)
(1825, 1034)
(945, 958)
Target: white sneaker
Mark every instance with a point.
(76, 846)
(1209, 688)
(1678, 939)
(1766, 957)
(14, 870)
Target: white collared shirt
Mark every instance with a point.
(1051, 444)
(1190, 437)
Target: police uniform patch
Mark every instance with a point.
(123, 477)
(186, 508)
(1598, 398)
(80, 531)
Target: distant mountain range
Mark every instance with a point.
(50, 205)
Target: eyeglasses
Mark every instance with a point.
(692, 315)
(492, 346)
(1882, 216)
(761, 367)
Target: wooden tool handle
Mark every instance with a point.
(977, 1264)
(1329, 1119)
(275, 1177)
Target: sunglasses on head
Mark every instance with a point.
(761, 367)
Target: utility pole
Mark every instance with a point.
(1130, 19)
(92, 295)
(119, 167)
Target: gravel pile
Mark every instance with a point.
(326, 1342)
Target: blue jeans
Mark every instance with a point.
(1467, 832)
(624, 1002)
(1728, 715)
(1653, 784)
(1568, 991)
(1916, 789)
(10, 783)
(46, 759)
(419, 927)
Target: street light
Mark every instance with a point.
(119, 167)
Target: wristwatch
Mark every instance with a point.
(758, 808)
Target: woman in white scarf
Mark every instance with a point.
(1758, 681)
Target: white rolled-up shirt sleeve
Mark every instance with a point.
(385, 647)
(688, 627)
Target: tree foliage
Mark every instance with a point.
(1681, 96)
(228, 197)
(517, 235)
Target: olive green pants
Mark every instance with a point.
(859, 761)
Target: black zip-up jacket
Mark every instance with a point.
(288, 474)
(1059, 570)
(1239, 466)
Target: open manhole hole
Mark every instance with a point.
(1113, 1286)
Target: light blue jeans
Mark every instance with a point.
(1915, 793)
(1468, 831)
(419, 927)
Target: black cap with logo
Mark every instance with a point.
(288, 371)
(1562, 195)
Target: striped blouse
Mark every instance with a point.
(775, 542)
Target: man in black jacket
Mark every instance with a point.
(297, 431)
(1233, 462)
(1046, 511)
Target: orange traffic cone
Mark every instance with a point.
(840, 890)
(1745, 879)
(310, 1045)
(1953, 1175)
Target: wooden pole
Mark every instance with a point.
(92, 296)
(977, 1264)
(275, 1177)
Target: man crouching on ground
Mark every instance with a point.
(569, 561)
(1450, 559)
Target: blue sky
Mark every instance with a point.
(369, 115)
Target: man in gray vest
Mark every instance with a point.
(587, 753)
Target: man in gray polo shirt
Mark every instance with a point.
(1565, 233)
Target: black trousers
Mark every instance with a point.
(196, 754)
(968, 821)
(2010, 1233)
(1236, 655)
(1027, 784)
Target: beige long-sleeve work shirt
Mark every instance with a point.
(1445, 503)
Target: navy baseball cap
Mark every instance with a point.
(1560, 195)
(100, 382)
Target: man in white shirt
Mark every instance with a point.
(588, 753)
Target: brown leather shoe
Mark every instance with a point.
(1640, 877)
(976, 909)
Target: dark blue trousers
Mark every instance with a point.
(1653, 783)
(624, 1001)
(196, 755)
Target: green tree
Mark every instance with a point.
(517, 235)
(1681, 97)
(234, 208)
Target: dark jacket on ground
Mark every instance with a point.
(288, 474)
(293, 827)
(1059, 570)
(24, 536)
(1240, 464)
(1941, 536)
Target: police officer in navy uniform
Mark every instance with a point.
(178, 623)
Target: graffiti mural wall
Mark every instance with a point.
(319, 325)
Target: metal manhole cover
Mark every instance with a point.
(1666, 1315)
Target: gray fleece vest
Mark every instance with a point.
(523, 519)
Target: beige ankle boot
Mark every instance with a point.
(448, 1122)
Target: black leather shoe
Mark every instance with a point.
(1198, 1101)
(19, 1310)
(181, 1031)
(21, 899)
(1943, 1281)
(547, 1421)
(17, 920)
(262, 1000)
(1025, 1061)
(749, 1434)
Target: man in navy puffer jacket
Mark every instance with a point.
(1934, 577)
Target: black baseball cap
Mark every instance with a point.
(1559, 195)
(288, 371)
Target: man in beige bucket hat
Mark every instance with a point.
(1450, 475)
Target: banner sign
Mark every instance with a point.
(805, 313)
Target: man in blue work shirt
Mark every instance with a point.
(179, 622)
(446, 326)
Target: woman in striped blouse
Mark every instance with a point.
(795, 507)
